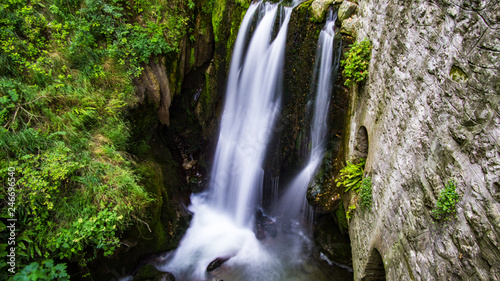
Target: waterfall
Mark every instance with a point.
(252, 103)
(294, 201)
(223, 217)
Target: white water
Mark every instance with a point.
(223, 216)
(252, 103)
(293, 204)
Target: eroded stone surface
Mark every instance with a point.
(431, 110)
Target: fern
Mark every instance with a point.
(351, 176)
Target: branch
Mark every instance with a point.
(142, 222)
(13, 119)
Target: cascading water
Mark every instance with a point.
(252, 103)
(326, 66)
(223, 218)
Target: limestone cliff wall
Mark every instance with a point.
(431, 110)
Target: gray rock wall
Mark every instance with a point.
(431, 110)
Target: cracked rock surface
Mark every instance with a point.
(431, 107)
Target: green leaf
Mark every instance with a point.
(38, 250)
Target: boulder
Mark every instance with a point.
(349, 26)
(319, 8)
(346, 9)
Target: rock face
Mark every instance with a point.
(431, 112)
(153, 85)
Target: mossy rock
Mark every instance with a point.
(332, 242)
(318, 9)
(150, 273)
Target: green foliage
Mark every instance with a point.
(366, 193)
(350, 209)
(356, 62)
(42, 272)
(447, 201)
(351, 176)
(207, 7)
(66, 83)
(95, 231)
(341, 217)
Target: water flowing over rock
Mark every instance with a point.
(223, 216)
(252, 103)
(431, 111)
(325, 74)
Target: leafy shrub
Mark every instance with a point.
(356, 62)
(351, 176)
(66, 81)
(447, 201)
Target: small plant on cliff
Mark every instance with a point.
(351, 176)
(366, 193)
(447, 201)
(356, 62)
(348, 213)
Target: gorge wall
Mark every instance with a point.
(431, 112)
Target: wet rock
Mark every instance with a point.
(213, 265)
(264, 225)
(259, 231)
(331, 241)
